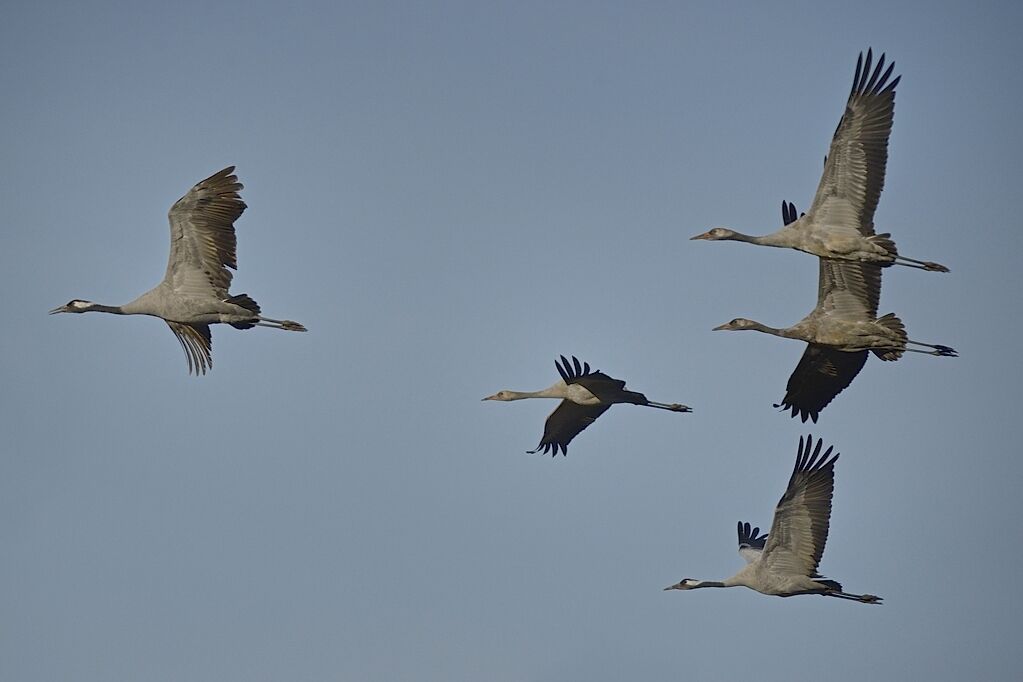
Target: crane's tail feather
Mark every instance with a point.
(885, 241)
(893, 324)
(244, 301)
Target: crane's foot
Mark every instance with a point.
(676, 407)
(292, 326)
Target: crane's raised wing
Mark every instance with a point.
(575, 372)
(855, 167)
(799, 530)
(751, 543)
(203, 242)
(606, 389)
(564, 424)
(822, 373)
(197, 342)
(848, 290)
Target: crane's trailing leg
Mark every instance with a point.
(943, 351)
(920, 264)
(287, 325)
(674, 407)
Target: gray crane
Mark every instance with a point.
(840, 222)
(784, 562)
(585, 396)
(194, 291)
(840, 331)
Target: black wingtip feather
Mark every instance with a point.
(564, 374)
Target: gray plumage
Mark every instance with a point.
(840, 222)
(194, 291)
(784, 562)
(839, 331)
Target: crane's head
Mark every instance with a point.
(501, 395)
(715, 234)
(74, 306)
(738, 323)
(684, 584)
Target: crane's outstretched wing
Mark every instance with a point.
(574, 372)
(822, 373)
(197, 342)
(605, 388)
(564, 424)
(799, 530)
(751, 543)
(848, 290)
(203, 242)
(855, 167)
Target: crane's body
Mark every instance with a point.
(885, 335)
(840, 222)
(784, 562)
(584, 395)
(194, 291)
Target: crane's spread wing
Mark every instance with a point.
(854, 170)
(848, 290)
(605, 388)
(203, 242)
(801, 519)
(574, 371)
(822, 373)
(565, 423)
(197, 342)
(751, 543)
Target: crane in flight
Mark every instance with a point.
(784, 562)
(840, 222)
(585, 395)
(194, 291)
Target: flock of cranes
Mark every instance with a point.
(839, 230)
(840, 332)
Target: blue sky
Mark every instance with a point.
(449, 196)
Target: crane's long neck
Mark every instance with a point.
(787, 332)
(555, 391)
(113, 309)
(781, 239)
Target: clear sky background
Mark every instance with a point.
(450, 195)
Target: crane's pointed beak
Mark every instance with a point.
(705, 235)
(61, 309)
(721, 327)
